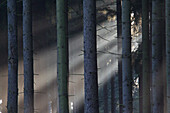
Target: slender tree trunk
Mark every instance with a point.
(90, 57)
(140, 92)
(168, 53)
(145, 57)
(113, 105)
(164, 54)
(157, 62)
(12, 104)
(28, 58)
(119, 41)
(150, 49)
(62, 54)
(126, 57)
(105, 96)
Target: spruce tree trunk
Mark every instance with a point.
(28, 57)
(105, 96)
(90, 57)
(12, 104)
(62, 54)
(164, 55)
(126, 57)
(145, 57)
(140, 93)
(150, 49)
(168, 53)
(157, 62)
(113, 96)
(119, 41)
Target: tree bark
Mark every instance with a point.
(168, 53)
(157, 62)
(126, 57)
(62, 54)
(140, 92)
(90, 57)
(164, 54)
(145, 57)
(119, 41)
(150, 49)
(12, 104)
(28, 57)
(105, 96)
(113, 102)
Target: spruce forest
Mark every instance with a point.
(84, 56)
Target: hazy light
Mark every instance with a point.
(71, 105)
(0, 101)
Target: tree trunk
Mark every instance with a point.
(12, 58)
(90, 57)
(126, 57)
(164, 55)
(105, 96)
(145, 57)
(168, 53)
(119, 41)
(62, 54)
(140, 92)
(113, 102)
(150, 49)
(28, 57)
(157, 62)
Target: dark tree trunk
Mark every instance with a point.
(62, 54)
(168, 54)
(126, 57)
(105, 96)
(145, 58)
(90, 57)
(119, 41)
(140, 93)
(157, 58)
(12, 104)
(150, 49)
(113, 102)
(164, 55)
(28, 58)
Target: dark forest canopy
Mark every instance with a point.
(49, 4)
